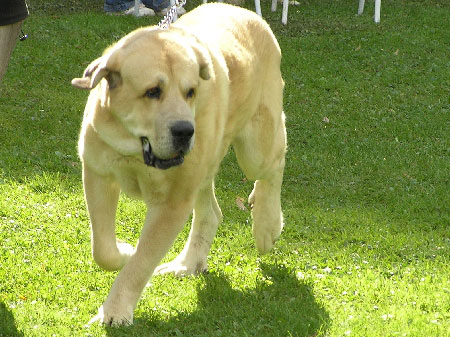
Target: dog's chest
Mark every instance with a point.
(141, 182)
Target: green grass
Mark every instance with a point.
(366, 248)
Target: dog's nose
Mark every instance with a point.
(182, 132)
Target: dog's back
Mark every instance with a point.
(248, 47)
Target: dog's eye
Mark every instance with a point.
(153, 92)
(190, 93)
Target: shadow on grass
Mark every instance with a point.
(7, 324)
(279, 305)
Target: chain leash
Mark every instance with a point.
(168, 18)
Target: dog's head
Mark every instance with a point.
(150, 80)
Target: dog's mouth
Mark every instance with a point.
(151, 160)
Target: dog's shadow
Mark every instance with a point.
(7, 323)
(279, 305)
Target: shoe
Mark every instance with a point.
(143, 11)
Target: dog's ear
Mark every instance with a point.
(98, 69)
(204, 61)
(92, 75)
(204, 71)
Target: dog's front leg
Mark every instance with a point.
(102, 195)
(207, 217)
(161, 227)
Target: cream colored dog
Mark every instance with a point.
(164, 107)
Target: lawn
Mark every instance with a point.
(366, 246)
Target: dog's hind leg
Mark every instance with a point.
(266, 211)
(260, 150)
(102, 196)
(207, 217)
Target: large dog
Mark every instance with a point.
(164, 107)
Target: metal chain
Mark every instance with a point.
(168, 18)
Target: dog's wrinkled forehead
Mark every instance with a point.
(170, 51)
(159, 65)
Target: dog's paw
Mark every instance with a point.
(251, 199)
(265, 241)
(125, 249)
(112, 318)
(266, 234)
(182, 268)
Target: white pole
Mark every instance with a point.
(361, 7)
(137, 3)
(377, 10)
(274, 5)
(285, 12)
(258, 7)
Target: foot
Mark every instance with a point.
(182, 267)
(113, 316)
(266, 234)
(251, 199)
(112, 259)
(142, 11)
(126, 250)
(265, 240)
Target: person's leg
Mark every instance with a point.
(118, 5)
(156, 5)
(8, 38)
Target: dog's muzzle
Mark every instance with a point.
(151, 160)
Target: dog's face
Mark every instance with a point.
(152, 79)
